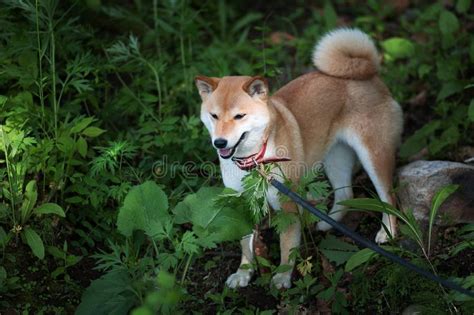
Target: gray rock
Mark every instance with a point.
(421, 180)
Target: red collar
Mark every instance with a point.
(250, 162)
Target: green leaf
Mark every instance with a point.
(66, 144)
(165, 280)
(281, 221)
(439, 198)
(448, 89)
(263, 262)
(81, 146)
(189, 243)
(359, 258)
(50, 208)
(419, 139)
(398, 48)
(93, 132)
(336, 250)
(144, 205)
(81, 124)
(34, 241)
(56, 252)
(110, 294)
(3, 100)
(462, 6)
(29, 200)
(209, 219)
(330, 15)
(383, 207)
(283, 268)
(4, 237)
(448, 22)
(370, 204)
(449, 137)
(470, 111)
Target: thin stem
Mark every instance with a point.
(9, 174)
(52, 54)
(157, 83)
(40, 66)
(145, 108)
(186, 267)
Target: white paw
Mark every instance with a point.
(381, 237)
(323, 226)
(239, 279)
(282, 280)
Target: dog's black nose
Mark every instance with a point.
(220, 143)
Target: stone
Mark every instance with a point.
(419, 181)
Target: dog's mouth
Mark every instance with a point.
(227, 153)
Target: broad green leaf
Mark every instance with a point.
(223, 223)
(110, 294)
(398, 48)
(29, 200)
(81, 124)
(92, 132)
(359, 258)
(34, 241)
(439, 198)
(50, 208)
(165, 280)
(462, 6)
(448, 22)
(263, 262)
(419, 139)
(336, 250)
(144, 204)
(66, 144)
(81, 145)
(423, 70)
(55, 252)
(448, 89)
(449, 137)
(470, 112)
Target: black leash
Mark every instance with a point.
(363, 241)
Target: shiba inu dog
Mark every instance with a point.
(338, 114)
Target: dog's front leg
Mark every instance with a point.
(242, 276)
(289, 239)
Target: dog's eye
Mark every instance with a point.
(239, 116)
(214, 116)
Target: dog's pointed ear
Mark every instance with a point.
(257, 87)
(205, 85)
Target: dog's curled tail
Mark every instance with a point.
(347, 53)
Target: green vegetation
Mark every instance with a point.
(111, 199)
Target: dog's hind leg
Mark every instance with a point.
(338, 165)
(377, 156)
